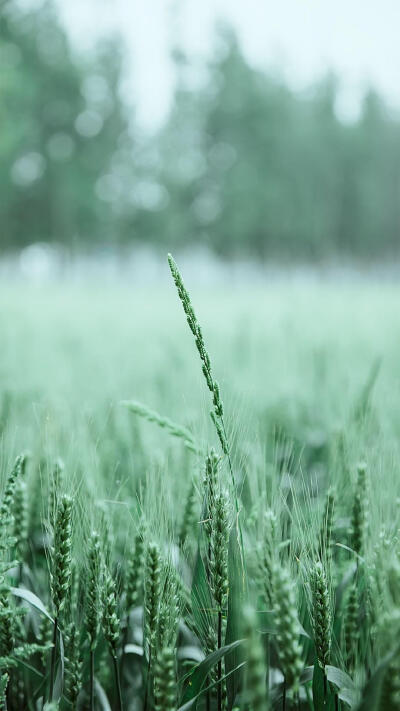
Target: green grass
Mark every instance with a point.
(296, 363)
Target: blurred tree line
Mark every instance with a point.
(243, 164)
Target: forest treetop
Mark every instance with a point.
(243, 164)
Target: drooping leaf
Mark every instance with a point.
(193, 702)
(347, 691)
(37, 603)
(32, 599)
(371, 694)
(349, 696)
(30, 668)
(338, 677)
(307, 674)
(199, 675)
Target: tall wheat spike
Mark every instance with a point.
(267, 556)
(61, 565)
(287, 628)
(165, 681)
(256, 688)
(111, 627)
(359, 512)
(93, 611)
(217, 413)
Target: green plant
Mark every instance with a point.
(20, 514)
(134, 575)
(321, 616)
(219, 580)
(189, 514)
(56, 476)
(93, 609)
(3, 690)
(73, 664)
(256, 691)
(111, 627)
(267, 556)
(359, 512)
(61, 563)
(351, 627)
(169, 611)
(164, 423)
(325, 536)
(9, 491)
(152, 597)
(217, 413)
(287, 628)
(165, 681)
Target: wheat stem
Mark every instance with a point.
(117, 681)
(91, 679)
(53, 659)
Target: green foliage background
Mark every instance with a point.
(242, 164)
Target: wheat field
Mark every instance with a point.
(156, 558)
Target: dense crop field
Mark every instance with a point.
(156, 558)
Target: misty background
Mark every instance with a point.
(242, 130)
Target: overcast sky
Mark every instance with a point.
(359, 39)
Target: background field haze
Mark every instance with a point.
(268, 133)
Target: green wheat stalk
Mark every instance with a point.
(321, 617)
(359, 511)
(189, 514)
(111, 627)
(134, 578)
(152, 596)
(217, 413)
(351, 632)
(287, 628)
(256, 692)
(60, 572)
(164, 423)
(219, 573)
(267, 556)
(93, 605)
(325, 535)
(165, 681)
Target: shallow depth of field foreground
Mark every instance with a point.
(200, 495)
